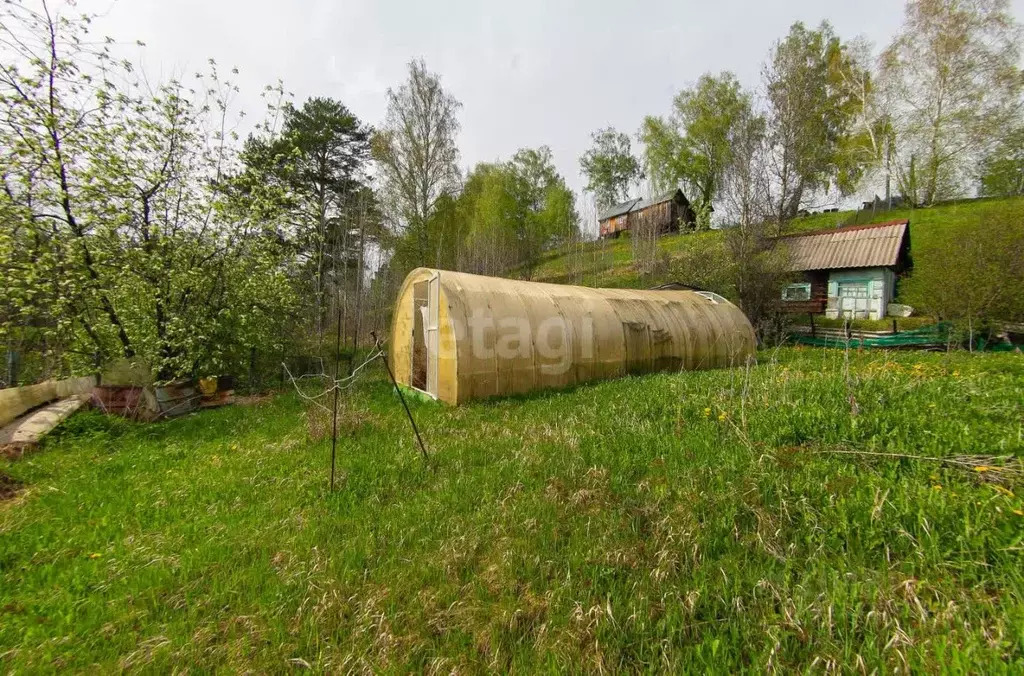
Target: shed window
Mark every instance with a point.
(799, 291)
(853, 289)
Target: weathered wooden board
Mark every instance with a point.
(119, 400)
(31, 428)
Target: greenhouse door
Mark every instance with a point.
(433, 320)
(425, 321)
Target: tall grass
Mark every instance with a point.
(687, 522)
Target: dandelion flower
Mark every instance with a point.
(722, 416)
(707, 412)
(982, 468)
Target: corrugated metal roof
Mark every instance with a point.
(635, 204)
(618, 209)
(657, 199)
(850, 247)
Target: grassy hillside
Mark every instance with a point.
(609, 263)
(708, 521)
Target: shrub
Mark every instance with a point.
(745, 266)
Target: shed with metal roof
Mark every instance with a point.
(849, 271)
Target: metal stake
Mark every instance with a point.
(334, 423)
(384, 356)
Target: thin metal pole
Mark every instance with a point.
(384, 356)
(334, 423)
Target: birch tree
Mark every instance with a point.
(417, 153)
(952, 71)
(808, 116)
(744, 191)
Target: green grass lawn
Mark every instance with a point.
(681, 522)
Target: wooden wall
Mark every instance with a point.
(819, 295)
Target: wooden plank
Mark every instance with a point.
(822, 332)
(34, 426)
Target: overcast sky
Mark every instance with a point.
(528, 72)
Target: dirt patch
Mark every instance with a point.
(15, 450)
(253, 399)
(9, 487)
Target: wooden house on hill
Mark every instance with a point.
(669, 211)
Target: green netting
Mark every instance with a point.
(936, 335)
(932, 336)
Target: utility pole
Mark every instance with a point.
(888, 171)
